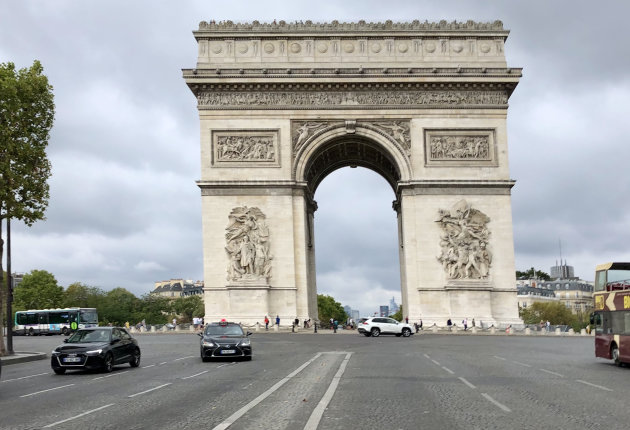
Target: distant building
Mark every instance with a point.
(16, 278)
(384, 311)
(393, 307)
(175, 288)
(348, 311)
(562, 271)
(528, 295)
(355, 315)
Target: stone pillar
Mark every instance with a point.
(528, 331)
(558, 332)
(493, 330)
(583, 332)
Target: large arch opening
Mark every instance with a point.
(352, 180)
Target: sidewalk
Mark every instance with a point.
(22, 357)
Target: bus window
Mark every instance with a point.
(596, 320)
(42, 318)
(600, 280)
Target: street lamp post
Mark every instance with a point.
(9, 292)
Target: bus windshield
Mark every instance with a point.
(88, 316)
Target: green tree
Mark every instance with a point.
(531, 273)
(38, 290)
(189, 307)
(27, 112)
(154, 309)
(118, 307)
(327, 307)
(398, 316)
(554, 312)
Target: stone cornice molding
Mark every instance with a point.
(456, 187)
(309, 27)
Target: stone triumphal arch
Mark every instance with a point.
(282, 105)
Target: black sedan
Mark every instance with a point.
(96, 348)
(225, 339)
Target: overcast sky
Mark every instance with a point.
(125, 209)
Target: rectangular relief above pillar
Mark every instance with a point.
(245, 148)
(460, 148)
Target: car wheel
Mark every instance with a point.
(614, 354)
(204, 358)
(406, 332)
(65, 331)
(59, 370)
(135, 359)
(375, 332)
(108, 362)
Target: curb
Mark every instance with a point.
(22, 357)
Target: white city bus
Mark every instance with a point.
(54, 321)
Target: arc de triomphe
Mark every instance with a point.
(282, 105)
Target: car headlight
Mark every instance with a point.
(94, 352)
(207, 343)
(55, 352)
(245, 342)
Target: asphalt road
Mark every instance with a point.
(327, 381)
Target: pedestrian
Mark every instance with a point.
(547, 325)
(473, 322)
(449, 323)
(266, 323)
(174, 323)
(278, 321)
(415, 325)
(407, 320)
(331, 321)
(420, 323)
(465, 323)
(127, 325)
(335, 325)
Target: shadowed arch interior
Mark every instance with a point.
(350, 151)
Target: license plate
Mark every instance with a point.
(72, 359)
(228, 351)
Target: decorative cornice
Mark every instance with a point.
(363, 26)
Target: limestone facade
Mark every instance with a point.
(282, 105)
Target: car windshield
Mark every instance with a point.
(224, 330)
(89, 336)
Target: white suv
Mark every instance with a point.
(377, 326)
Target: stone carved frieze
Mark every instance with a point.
(461, 147)
(247, 246)
(245, 147)
(465, 253)
(349, 99)
(242, 148)
(395, 130)
(311, 26)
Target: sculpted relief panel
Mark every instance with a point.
(247, 238)
(464, 242)
(460, 148)
(245, 148)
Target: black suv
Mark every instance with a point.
(225, 339)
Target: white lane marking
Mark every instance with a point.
(466, 382)
(164, 362)
(427, 356)
(522, 364)
(150, 365)
(448, 370)
(44, 391)
(77, 416)
(226, 364)
(593, 385)
(184, 358)
(109, 376)
(236, 415)
(500, 358)
(149, 390)
(318, 412)
(553, 373)
(24, 377)
(436, 362)
(196, 374)
(500, 405)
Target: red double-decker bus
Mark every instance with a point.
(611, 318)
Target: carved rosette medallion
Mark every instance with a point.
(247, 246)
(460, 148)
(465, 253)
(397, 131)
(254, 148)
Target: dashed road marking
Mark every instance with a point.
(196, 374)
(44, 391)
(426, 355)
(500, 358)
(78, 416)
(448, 370)
(184, 358)
(110, 375)
(146, 367)
(24, 377)
(593, 385)
(500, 405)
(466, 382)
(553, 373)
(149, 390)
(436, 362)
(522, 364)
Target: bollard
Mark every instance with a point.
(528, 331)
(473, 330)
(164, 328)
(558, 332)
(275, 327)
(583, 332)
(257, 326)
(434, 328)
(493, 330)
(191, 328)
(177, 328)
(153, 329)
(571, 331)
